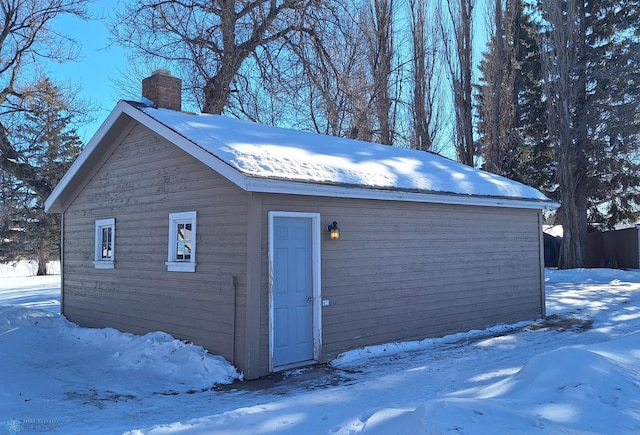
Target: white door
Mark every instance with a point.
(293, 292)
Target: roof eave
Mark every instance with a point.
(60, 195)
(263, 185)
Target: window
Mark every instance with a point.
(182, 242)
(105, 248)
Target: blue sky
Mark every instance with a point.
(100, 63)
(97, 66)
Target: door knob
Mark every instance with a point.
(310, 299)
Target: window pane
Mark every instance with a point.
(106, 242)
(183, 246)
(184, 231)
(183, 251)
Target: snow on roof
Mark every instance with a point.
(261, 151)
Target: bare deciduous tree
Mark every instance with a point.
(343, 71)
(425, 75)
(498, 93)
(27, 38)
(322, 79)
(380, 36)
(458, 49)
(562, 58)
(207, 42)
(33, 126)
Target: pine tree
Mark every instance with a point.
(44, 141)
(12, 199)
(612, 103)
(575, 131)
(590, 57)
(512, 116)
(533, 163)
(498, 95)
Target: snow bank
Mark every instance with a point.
(24, 268)
(591, 276)
(179, 366)
(157, 355)
(568, 390)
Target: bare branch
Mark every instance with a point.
(207, 40)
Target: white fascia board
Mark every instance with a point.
(297, 188)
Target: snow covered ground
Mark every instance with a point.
(576, 372)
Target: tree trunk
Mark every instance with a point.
(43, 259)
(382, 57)
(466, 65)
(573, 214)
(424, 75)
(459, 55)
(217, 89)
(216, 95)
(565, 88)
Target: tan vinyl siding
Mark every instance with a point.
(257, 356)
(404, 271)
(144, 180)
(400, 271)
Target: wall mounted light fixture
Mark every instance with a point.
(334, 231)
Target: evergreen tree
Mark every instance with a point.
(612, 103)
(12, 198)
(513, 138)
(590, 54)
(533, 162)
(497, 94)
(44, 141)
(575, 99)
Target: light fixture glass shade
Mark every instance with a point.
(334, 231)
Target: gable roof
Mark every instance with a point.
(261, 158)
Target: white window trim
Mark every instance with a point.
(98, 261)
(174, 265)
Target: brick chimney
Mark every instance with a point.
(163, 89)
